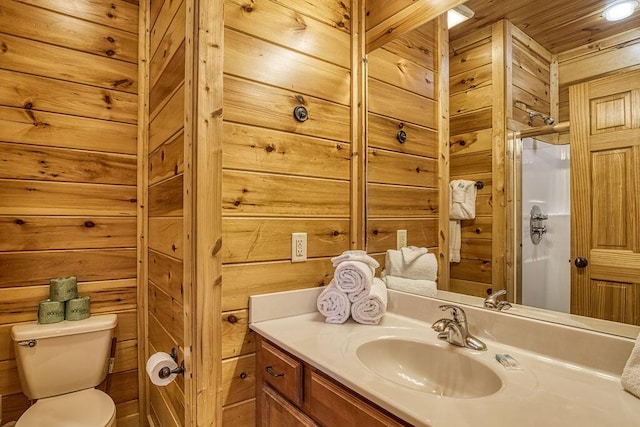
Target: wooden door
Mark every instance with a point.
(605, 206)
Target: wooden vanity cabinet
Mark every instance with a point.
(291, 393)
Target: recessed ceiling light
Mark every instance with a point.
(459, 14)
(620, 10)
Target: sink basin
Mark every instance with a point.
(441, 370)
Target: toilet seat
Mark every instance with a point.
(85, 408)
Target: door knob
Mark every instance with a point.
(581, 262)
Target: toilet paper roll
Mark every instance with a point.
(50, 311)
(156, 362)
(77, 308)
(63, 288)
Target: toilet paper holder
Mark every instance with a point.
(166, 372)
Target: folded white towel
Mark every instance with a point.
(353, 276)
(631, 375)
(334, 304)
(370, 309)
(411, 253)
(427, 288)
(423, 267)
(455, 240)
(462, 199)
(355, 255)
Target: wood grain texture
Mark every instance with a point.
(273, 108)
(242, 280)
(56, 96)
(237, 338)
(402, 201)
(278, 24)
(52, 232)
(59, 130)
(238, 379)
(65, 64)
(67, 31)
(264, 194)
(266, 150)
(269, 239)
(394, 168)
(54, 164)
(381, 133)
(381, 233)
(242, 414)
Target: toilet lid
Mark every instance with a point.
(86, 408)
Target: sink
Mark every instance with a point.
(428, 368)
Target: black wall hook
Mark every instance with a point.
(300, 113)
(479, 185)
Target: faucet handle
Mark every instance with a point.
(458, 313)
(492, 301)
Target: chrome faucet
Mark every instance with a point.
(492, 301)
(454, 331)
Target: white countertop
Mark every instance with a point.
(549, 391)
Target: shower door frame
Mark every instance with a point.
(513, 189)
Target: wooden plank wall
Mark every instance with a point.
(280, 176)
(471, 144)
(615, 54)
(402, 179)
(532, 85)
(68, 114)
(168, 275)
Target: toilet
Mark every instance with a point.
(60, 365)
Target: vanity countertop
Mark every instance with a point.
(552, 389)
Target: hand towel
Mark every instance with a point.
(455, 240)
(370, 308)
(355, 256)
(426, 288)
(353, 276)
(631, 375)
(334, 304)
(423, 267)
(462, 199)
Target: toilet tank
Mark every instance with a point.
(63, 357)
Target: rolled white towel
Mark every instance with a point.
(355, 255)
(423, 267)
(370, 308)
(334, 304)
(353, 276)
(631, 375)
(427, 288)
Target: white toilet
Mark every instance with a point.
(60, 364)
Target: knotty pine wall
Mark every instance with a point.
(471, 92)
(168, 274)
(497, 74)
(68, 114)
(403, 178)
(280, 176)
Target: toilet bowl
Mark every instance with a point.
(86, 408)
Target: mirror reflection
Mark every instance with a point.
(503, 77)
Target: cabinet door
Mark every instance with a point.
(278, 412)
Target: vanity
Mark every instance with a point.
(399, 373)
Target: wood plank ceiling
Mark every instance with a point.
(558, 25)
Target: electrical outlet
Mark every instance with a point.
(401, 239)
(298, 247)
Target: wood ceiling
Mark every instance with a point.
(558, 25)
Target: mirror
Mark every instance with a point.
(404, 79)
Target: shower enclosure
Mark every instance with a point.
(541, 215)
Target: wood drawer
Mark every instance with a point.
(278, 412)
(332, 405)
(282, 372)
